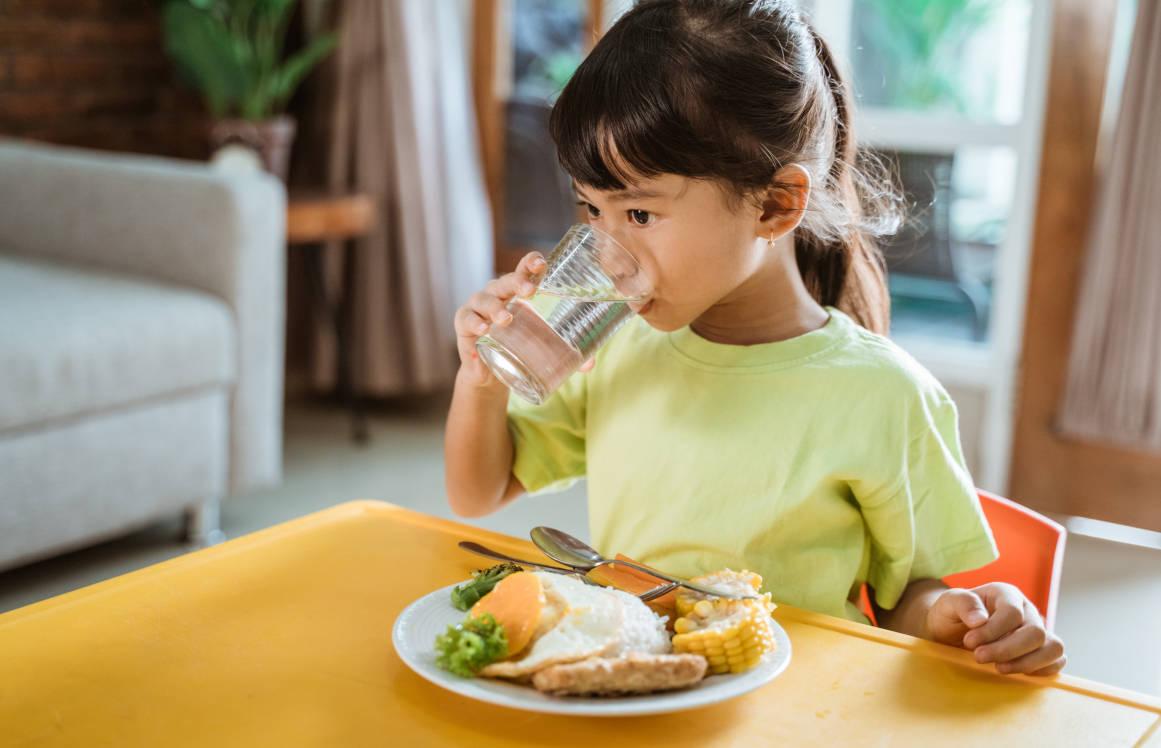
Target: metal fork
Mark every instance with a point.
(478, 549)
(659, 591)
(646, 596)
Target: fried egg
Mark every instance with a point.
(579, 621)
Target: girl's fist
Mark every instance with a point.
(999, 625)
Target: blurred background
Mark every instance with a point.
(233, 234)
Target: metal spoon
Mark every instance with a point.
(564, 548)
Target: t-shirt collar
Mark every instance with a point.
(697, 349)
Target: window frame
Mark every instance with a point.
(989, 366)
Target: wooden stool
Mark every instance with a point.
(312, 221)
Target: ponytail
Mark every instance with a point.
(845, 268)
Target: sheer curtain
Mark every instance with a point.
(1113, 391)
(396, 121)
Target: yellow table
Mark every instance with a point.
(282, 638)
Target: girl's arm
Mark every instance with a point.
(477, 445)
(478, 449)
(993, 620)
(909, 616)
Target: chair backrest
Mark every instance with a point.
(1031, 555)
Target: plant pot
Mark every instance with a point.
(270, 138)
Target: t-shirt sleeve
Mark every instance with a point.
(549, 439)
(926, 522)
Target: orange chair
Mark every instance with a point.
(1031, 555)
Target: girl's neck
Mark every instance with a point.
(771, 305)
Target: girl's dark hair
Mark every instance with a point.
(733, 90)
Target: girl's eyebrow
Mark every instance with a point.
(631, 193)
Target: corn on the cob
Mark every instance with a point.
(731, 634)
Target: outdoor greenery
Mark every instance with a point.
(916, 47)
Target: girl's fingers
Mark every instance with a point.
(1014, 637)
(946, 619)
(1027, 639)
(522, 282)
(506, 287)
(1007, 608)
(1052, 669)
(528, 275)
(471, 324)
(531, 266)
(489, 307)
(966, 607)
(1045, 660)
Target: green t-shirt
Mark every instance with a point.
(820, 462)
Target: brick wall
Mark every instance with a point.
(93, 73)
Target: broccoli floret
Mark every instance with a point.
(468, 646)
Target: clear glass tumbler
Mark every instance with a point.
(586, 295)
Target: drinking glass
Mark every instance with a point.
(589, 290)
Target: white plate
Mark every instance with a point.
(414, 638)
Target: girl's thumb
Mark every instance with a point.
(971, 609)
(588, 365)
(958, 604)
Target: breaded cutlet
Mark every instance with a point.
(633, 673)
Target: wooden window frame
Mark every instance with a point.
(491, 84)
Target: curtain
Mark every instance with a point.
(1113, 390)
(390, 115)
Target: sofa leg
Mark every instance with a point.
(203, 523)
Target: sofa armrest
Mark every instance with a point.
(178, 222)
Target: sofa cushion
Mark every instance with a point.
(76, 341)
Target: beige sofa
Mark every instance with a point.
(141, 344)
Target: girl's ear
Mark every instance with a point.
(784, 202)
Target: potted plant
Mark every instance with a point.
(232, 52)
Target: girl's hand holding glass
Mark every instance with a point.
(489, 307)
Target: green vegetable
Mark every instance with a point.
(469, 593)
(467, 647)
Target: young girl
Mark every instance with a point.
(752, 416)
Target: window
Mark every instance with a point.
(548, 43)
(942, 263)
(952, 93)
(946, 91)
(954, 57)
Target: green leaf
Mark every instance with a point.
(275, 8)
(202, 47)
(231, 50)
(291, 73)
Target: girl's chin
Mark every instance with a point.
(658, 319)
(660, 324)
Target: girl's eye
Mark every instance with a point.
(640, 217)
(592, 209)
